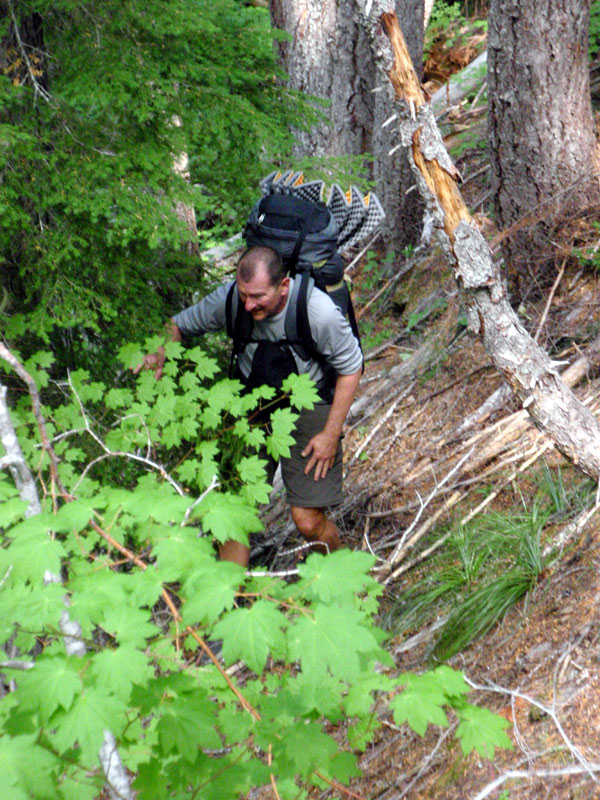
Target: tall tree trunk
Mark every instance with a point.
(330, 57)
(543, 147)
(528, 369)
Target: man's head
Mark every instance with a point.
(262, 283)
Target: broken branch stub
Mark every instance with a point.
(527, 368)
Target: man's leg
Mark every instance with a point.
(315, 527)
(236, 552)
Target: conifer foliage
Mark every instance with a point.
(98, 101)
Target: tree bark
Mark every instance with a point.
(542, 142)
(330, 57)
(529, 371)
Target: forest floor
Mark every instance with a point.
(432, 471)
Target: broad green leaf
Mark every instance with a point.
(34, 553)
(303, 749)
(251, 633)
(321, 575)
(130, 626)
(302, 390)
(188, 723)
(283, 422)
(479, 729)
(331, 640)
(420, 703)
(52, 682)
(180, 552)
(84, 724)
(11, 510)
(26, 769)
(360, 695)
(74, 516)
(210, 590)
(115, 670)
(228, 516)
(35, 609)
(452, 682)
(251, 469)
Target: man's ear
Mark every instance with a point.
(285, 285)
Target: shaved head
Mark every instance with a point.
(257, 259)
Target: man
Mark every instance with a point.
(312, 475)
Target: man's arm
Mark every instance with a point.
(322, 448)
(156, 361)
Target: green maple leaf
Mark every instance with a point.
(305, 747)
(92, 712)
(479, 729)
(206, 367)
(10, 511)
(420, 703)
(360, 695)
(130, 355)
(332, 639)
(228, 516)
(302, 390)
(33, 553)
(283, 422)
(114, 671)
(321, 575)
(27, 770)
(34, 610)
(92, 593)
(188, 725)
(251, 469)
(210, 590)
(130, 626)
(324, 696)
(74, 516)
(451, 682)
(251, 633)
(180, 552)
(52, 683)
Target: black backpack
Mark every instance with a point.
(306, 233)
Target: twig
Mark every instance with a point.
(574, 750)
(434, 492)
(561, 272)
(357, 258)
(515, 774)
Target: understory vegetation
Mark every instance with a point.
(122, 633)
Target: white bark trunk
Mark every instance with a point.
(117, 778)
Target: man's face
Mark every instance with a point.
(260, 297)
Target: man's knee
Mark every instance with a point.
(310, 522)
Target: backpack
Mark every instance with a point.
(291, 219)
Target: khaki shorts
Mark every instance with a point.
(303, 490)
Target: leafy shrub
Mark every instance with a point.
(134, 548)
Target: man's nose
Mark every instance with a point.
(250, 304)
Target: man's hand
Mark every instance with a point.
(322, 449)
(155, 361)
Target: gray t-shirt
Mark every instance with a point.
(329, 328)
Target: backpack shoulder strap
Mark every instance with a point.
(297, 326)
(238, 323)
